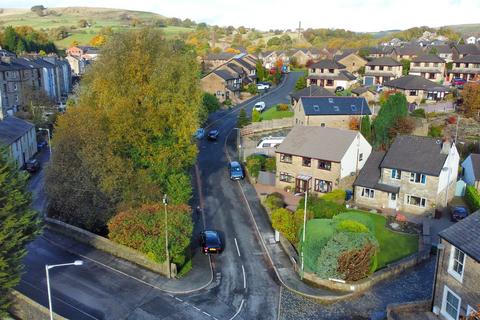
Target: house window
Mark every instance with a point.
(313, 70)
(418, 178)
(322, 124)
(450, 304)
(322, 186)
(360, 157)
(368, 193)
(456, 263)
(286, 177)
(416, 201)
(324, 165)
(287, 158)
(306, 162)
(329, 82)
(219, 93)
(330, 70)
(413, 93)
(396, 174)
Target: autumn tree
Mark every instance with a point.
(283, 221)
(130, 132)
(391, 111)
(471, 99)
(18, 226)
(98, 41)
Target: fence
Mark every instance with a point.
(266, 125)
(445, 106)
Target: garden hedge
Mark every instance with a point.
(472, 197)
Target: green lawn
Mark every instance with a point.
(272, 113)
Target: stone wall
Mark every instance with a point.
(266, 125)
(23, 307)
(394, 310)
(108, 246)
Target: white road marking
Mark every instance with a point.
(236, 244)
(244, 278)
(178, 299)
(198, 309)
(238, 311)
(208, 314)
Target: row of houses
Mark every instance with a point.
(80, 57)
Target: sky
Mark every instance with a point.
(355, 15)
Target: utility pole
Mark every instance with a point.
(299, 29)
(165, 201)
(304, 226)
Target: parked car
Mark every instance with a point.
(41, 144)
(339, 89)
(210, 242)
(32, 166)
(458, 82)
(200, 133)
(260, 106)
(235, 170)
(269, 142)
(458, 213)
(262, 86)
(213, 134)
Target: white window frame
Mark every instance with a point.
(368, 193)
(413, 176)
(443, 311)
(398, 174)
(470, 310)
(408, 198)
(451, 271)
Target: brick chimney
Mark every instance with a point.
(446, 146)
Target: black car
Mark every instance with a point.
(210, 242)
(458, 213)
(339, 89)
(32, 165)
(213, 134)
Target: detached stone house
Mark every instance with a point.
(213, 60)
(467, 68)
(365, 92)
(430, 66)
(417, 88)
(444, 51)
(407, 52)
(471, 170)
(463, 50)
(19, 137)
(320, 159)
(416, 175)
(329, 74)
(332, 112)
(222, 83)
(380, 70)
(456, 290)
(311, 91)
(351, 60)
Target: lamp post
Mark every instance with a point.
(48, 135)
(304, 226)
(48, 267)
(165, 202)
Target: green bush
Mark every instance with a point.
(256, 116)
(255, 163)
(472, 197)
(337, 196)
(419, 113)
(322, 208)
(435, 131)
(252, 88)
(351, 226)
(270, 165)
(274, 201)
(227, 102)
(283, 221)
(210, 102)
(359, 217)
(282, 107)
(318, 233)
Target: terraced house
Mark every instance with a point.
(416, 175)
(430, 66)
(330, 74)
(467, 68)
(320, 159)
(380, 70)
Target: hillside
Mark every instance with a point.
(467, 29)
(98, 18)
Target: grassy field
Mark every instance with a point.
(273, 113)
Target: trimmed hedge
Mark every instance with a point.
(283, 221)
(274, 201)
(472, 197)
(322, 208)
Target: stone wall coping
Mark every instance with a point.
(23, 307)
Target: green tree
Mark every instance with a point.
(283, 221)
(252, 88)
(405, 66)
(18, 226)
(433, 50)
(301, 83)
(261, 73)
(394, 108)
(242, 118)
(256, 116)
(210, 102)
(10, 39)
(366, 128)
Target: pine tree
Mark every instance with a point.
(301, 83)
(393, 109)
(366, 128)
(18, 226)
(242, 118)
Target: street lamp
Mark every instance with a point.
(48, 134)
(48, 267)
(165, 202)
(304, 226)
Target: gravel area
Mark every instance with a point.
(414, 284)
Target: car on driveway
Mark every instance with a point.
(263, 86)
(210, 242)
(213, 134)
(458, 82)
(458, 213)
(236, 171)
(32, 166)
(259, 106)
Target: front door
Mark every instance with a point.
(392, 200)
(300, 185)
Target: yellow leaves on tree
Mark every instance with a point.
(471, 99)
(232, 50)
(98, 41)
(74, 43)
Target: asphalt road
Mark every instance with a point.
(244, 285)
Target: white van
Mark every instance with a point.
(259, 106)
(270, 142)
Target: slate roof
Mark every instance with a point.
(475, 157)
(26, 63)
(428, 58)
(12, 129)
(342, 75)
(220, 56)
(312, 91)
(328, 64)
(317, 106)
(225, 75)
(384, 61)
(415, 154)
(245, 64)
(345, 53)
(413, 82)
(409, 50)
(467, 49)
(318, 142)
(235, 68)
(369, 176)
(362, 89)
(464, 235)
(445, 48)
(44, 64)
(471, 58)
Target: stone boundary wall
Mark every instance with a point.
(104, 244)
(414, 306)
(266, 125)
(23, 307)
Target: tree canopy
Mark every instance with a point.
(394, 108)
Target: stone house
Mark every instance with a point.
(430, 66)
(213, 60)
(406, 52)
(462, 50)
(331, 112)
(444, 51)
(330, 74)
(20, 138)
(269, 58)
(471, 170)
(380, 70)
(77, 65)
(10, 88)
(320, 159)
(351, 60)
(222, 83)
(365, 92)
(377, 52)
(417, 88)
(456, 290)
(416, 175)
(85, 52)
(49, 78)
(301, 56)
(311, 91)
(249, 68)
(467, 68)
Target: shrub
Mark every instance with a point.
(282, 107)
(418, 113)
(351, 226)
(318, 233)
(452, 120)
(252, 88)
(255, 164)
(337, 196)
(270, 165)
(472, 197)
(256, 116)
(274, 201)
(283, 221)
(210, 102)
(322, 208)
(359, 217)
(435, 131)
(227, 102)
(242, 119)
